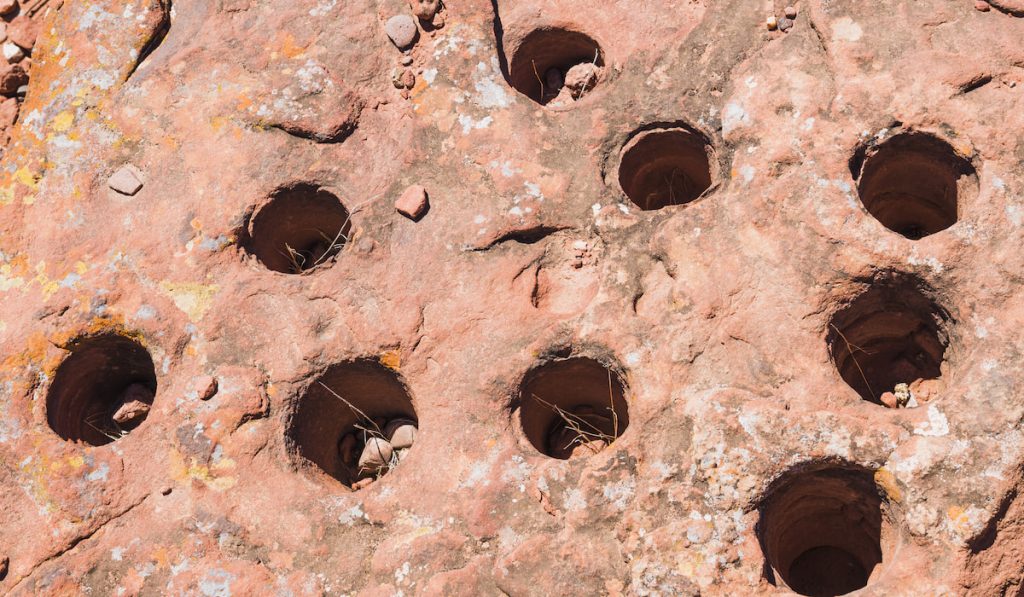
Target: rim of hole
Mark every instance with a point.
(826, 529)
(89, 383)
(321, 416)
(552, 47)
(571, 403)
(914, 183)
(891, 332)
(299, 229)
(662, 165)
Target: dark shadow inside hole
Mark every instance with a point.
(822, 530)
(572, 408)
(541, 65)
(348, 396)
(891, 334)
(92, 383)
(664, 167)
(913, 183)
(300, 228)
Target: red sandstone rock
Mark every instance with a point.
(783, 259)
(424, 9)
(12, 76)
(23, 31)
(125, 180)
(413, 203)
(207, 387)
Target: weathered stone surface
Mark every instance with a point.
(724, 311)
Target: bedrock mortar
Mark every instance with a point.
(714, 313)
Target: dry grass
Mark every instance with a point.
(586, 433)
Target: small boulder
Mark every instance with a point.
(413, 203)
(402, 31)
(126, 180)
(376, 455)
(424, 9)
(790, 12)
(926, 390)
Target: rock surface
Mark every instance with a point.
(717, 313)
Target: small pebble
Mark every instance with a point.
(439, 21)
(772, 23)
(12, 52)
(360, 484)
(413, 203)
(347, 449)
(581, 78)
(406, 60)
(7, 7)
(790, 12)
(125, 181)
(424, 9)
(131, 411)
(889, 399)
(785, 24)
(982, 6)
(208, 387)
(401, 433)
(376, 455)
(408, 79)
(401, 29)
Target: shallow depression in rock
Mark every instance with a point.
(891, 334)
(102, 390)
(300, 228)
(823, 531)
(556, 66)
(356, 422)
(914, 183)
(572, 408)
(665, 166)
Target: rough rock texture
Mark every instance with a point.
(744, 324)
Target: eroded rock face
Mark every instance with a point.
(643, 338)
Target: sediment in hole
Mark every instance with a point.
(892, 333)
(356, 397)
(572, 407)
(665, 166)
(93, 382)
(914, 183)
(300, 228)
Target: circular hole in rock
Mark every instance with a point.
(300, 228)
(913, 183)
(102, 390)
(664, 167)
(824, 532)
(891, 334)
(572, 408)
(555, 66)
(356, 422)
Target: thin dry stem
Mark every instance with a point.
(850, 349)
